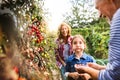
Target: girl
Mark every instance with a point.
(79, 57)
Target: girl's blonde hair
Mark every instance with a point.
(81, 37)
(59, 30)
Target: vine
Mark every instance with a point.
(37, 48)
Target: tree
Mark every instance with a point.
(82, 13)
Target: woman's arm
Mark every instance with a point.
(63, 62)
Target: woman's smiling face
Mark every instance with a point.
(64, 31)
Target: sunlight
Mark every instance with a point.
(56, 9)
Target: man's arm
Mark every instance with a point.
(91, 71)
(96, 66)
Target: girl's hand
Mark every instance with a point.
(85, 76)
(74, 75)
(80, 68)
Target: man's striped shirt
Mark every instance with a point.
(112, 71)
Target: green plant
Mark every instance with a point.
(97, 38)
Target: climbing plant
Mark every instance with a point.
(37, 47)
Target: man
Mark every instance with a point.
(110, 9)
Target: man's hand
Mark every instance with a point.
(96, 66)
(89, 70)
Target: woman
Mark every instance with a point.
(63, 46)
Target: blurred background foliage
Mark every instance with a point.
(85, 20)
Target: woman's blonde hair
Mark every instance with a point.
(59, 30)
